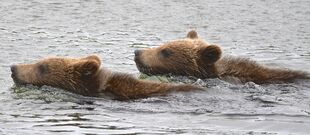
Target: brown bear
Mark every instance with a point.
(192, 56)
(84, 76)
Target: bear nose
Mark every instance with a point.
(13, 69)
(137, 52)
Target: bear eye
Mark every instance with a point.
(165, 53)
(43, 68)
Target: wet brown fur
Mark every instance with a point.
(193, 56)
(84, 76)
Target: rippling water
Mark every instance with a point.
(272, 32)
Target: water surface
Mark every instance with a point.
(275, 33)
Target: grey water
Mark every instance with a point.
(272, 32)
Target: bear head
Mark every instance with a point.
(76, 75)
(188, 57)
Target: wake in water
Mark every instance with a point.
(219, 97)
(48, 94)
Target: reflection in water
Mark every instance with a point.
(271, 32)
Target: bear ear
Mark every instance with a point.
(192, 34)
(86, 67)
(93, 57)
(210, 54)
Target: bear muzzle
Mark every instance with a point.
(13, 69)
(14, 76)
(137, 53)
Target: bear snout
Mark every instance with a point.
(137, 52)
(14, 73)
(15, 77)
(13, 69)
